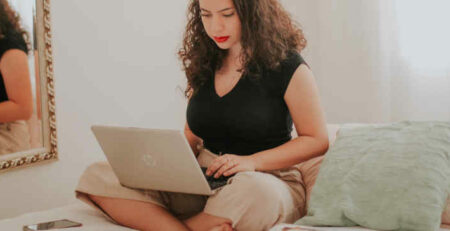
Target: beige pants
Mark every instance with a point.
(14, 137)
(251, 200)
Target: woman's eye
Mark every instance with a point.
(225, 15)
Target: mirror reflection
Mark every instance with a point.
(20, 107)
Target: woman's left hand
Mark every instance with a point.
(230, 164)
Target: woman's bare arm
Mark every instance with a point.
(14, 69)
(302, 99)
(191, 137)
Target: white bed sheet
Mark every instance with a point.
(93, 220)
(280, 227)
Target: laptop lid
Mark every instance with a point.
(146, 158)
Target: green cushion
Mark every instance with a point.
(384, 176)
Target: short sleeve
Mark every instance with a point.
(12, 41)
(288, 67)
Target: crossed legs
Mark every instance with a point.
(147, 216)
(253, 201)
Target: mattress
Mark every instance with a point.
(93, 220)
(289, 227)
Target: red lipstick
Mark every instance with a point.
(221, 39)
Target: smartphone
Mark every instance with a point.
(298, 228)
(59, 224)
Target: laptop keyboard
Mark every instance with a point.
(215, 182)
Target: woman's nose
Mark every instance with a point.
(217, 24)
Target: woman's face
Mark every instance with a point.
(221, 22)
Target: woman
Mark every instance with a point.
(15, 86)
(247, 84)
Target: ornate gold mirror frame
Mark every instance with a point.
(49, 151)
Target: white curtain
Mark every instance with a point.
(422, 60)
(378, 61)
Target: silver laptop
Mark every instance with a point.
(158, 159)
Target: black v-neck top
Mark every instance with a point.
(10, 41)
(251, 117)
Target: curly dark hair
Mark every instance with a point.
(268, 33)
(10, 22)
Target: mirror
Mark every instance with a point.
(27, 120)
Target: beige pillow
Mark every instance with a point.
(310, 169)
(332, 132)
(332, 129)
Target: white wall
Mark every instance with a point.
(115, 63)
(343, 57)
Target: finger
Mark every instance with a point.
(215, 165)
(224, 168)
(228, 227)
(217, 228)
(232, 171)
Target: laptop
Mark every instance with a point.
(157, 159)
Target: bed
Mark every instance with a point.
(289, 227)
(93, 220)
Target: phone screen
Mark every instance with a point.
(59, 224)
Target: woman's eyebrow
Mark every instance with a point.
(228, 8)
